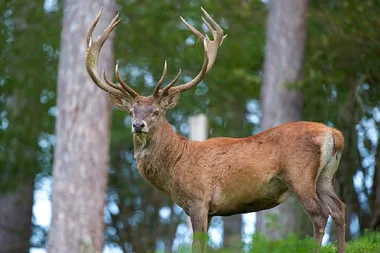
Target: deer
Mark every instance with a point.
(225, 176)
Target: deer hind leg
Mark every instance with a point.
(315, 209)
(305, 191)
(336, 208)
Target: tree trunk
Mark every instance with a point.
(281, 99)
(81, 158)
(16, 219)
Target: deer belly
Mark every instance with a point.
(245, 199)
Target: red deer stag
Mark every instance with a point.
(226, 176)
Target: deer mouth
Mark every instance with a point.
(138, 132)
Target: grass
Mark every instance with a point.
(368, 243)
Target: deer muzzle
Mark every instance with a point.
(139, 126)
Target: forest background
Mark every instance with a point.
(339, 87)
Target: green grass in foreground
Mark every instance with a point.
(368, 243)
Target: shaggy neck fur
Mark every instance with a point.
(157, 154)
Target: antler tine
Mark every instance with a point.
(210, 50)
(92, 57)
(192, 29)
(115, 21)
(123, 84)
(208, 26)
(167, 87)
(217, 28)
(92, 27)
(111, 83)
(218, 36)
(156, 91)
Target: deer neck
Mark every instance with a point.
(157, 154)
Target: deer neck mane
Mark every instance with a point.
(147, 144)
(158, 153)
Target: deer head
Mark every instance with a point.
(147, 111)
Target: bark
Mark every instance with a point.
(16, 219)
(81, 158)
(232, 232)
(281, 99)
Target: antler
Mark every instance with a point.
(92, 56)
(210, 52)
(121, 89)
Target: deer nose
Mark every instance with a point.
(138, 126)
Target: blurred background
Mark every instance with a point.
(336, 82)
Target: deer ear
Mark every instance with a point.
(170, 101)
(122, 103)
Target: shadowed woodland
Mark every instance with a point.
(42, 75)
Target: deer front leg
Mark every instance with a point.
(199, 221)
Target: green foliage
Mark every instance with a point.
(341, 49)
(29, 41)
(368, 243)
(262, 244)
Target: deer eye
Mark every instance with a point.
(130, 113)
(156, 112)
